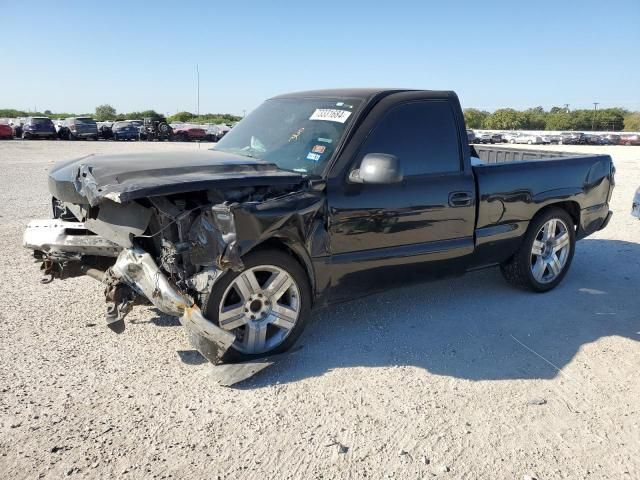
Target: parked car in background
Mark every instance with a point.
(16, 127)
(224, 129)
(630, 139)
(125, 131)
(155, 128)
(105, 130)
(38, 127)
(187, 132)
(471, 136)
(527, 138)
(591, 139)
(571, 138)
(80, 128)
(6, 132)
(496, 138)
(611, 139)
(213, 132)
(487, 137)
(553, 139)
(60, 125)
(508, 136)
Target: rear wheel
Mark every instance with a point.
(546, 252)
(266, 305)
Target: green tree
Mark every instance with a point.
(632, 122)
(535, 118)
(505, 119)
(475, 118)
(559, 120)
(181, 117)
(105, 112)
(610, 119)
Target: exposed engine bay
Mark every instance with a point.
(165, 239)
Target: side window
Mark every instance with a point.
(422, 134)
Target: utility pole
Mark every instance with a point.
(595, 111)
(198, 89)
(566, 107)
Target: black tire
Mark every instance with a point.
(518, 270)
(26, 136)
(276, 258)
(71, 137)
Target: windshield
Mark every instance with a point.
(41, 121)
(122, 124)
(298, 134)
(85, 121)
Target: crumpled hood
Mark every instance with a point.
(122, 178)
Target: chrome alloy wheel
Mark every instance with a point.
(261, 306)
(550, 251)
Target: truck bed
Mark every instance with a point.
(498, 154)
(513, 184)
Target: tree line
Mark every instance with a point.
(557, 118)
(107, 112)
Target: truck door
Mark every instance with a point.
(411, 230)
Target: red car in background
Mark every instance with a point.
(186, 133)
(6, 131)
(632, 139)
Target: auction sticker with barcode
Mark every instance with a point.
(330, 114)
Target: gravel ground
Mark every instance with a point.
(463, 378)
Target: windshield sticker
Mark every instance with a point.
(314, 157)
(318, 149)
(330, 114)
(325, 140)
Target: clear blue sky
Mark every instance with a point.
(73, 55)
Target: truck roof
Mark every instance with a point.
(360, 93)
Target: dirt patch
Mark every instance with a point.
(464, 378)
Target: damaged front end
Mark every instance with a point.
(165, 238)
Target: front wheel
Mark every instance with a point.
(266, 305)
(545, 254)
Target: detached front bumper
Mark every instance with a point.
(134, 274)
(137, 269)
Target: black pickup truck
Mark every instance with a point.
(313, 198)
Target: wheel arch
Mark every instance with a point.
(297, 252)
(570, 206)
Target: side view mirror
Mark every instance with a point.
(377, 168)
